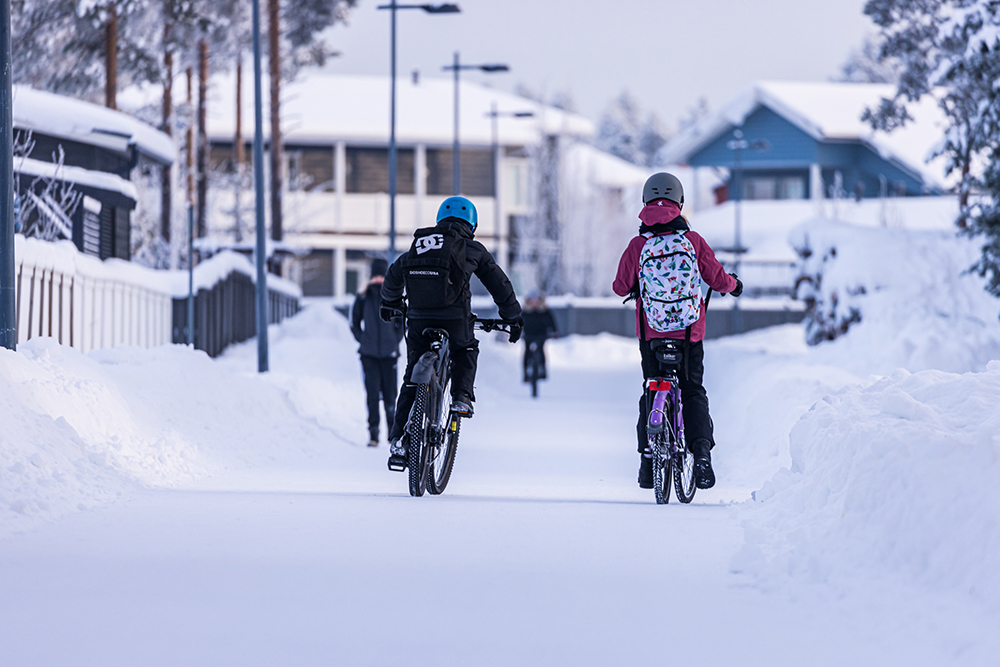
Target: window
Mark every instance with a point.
(774, 187)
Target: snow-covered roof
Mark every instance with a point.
(69, 118)
(320, 107)
(601, 168)
(95, 179)
(829, 111)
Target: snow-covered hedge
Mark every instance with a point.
(912, 288)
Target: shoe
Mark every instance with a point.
(646, 470)
(704, 476)
(397, 455)
(373, 442)
(462, 405)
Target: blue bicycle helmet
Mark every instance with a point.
(461, 208)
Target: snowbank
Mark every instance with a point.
(919, 308)
(893, 480)
(84, 430)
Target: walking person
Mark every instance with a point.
(663, 268)
(379, 350)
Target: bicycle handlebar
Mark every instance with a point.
(493, 324)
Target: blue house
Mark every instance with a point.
(786, 140)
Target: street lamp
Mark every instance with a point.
(447, 8)
(495, 145)
(456, 67)
(738, 144)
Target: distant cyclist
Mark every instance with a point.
(657, 268)
(434, 276)
(539, 326)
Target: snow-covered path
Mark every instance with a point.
(541, 552)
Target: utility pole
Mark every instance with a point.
(8, 303)
(166, 182)
(258, 171)
(202, 146)
(111, 58)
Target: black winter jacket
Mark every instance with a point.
(478, 261)
(377, 338)
(539, 324)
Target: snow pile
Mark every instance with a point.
(890, 481)
(919, 308)
(83, 430)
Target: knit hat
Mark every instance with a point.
(379, 266)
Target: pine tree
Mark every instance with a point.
(950, 49)
(622, 133)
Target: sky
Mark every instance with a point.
(667, 53)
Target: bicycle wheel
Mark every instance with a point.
(442, 452)
(661, 468)
(683, 465)
(416, 450)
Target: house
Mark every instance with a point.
(72, 164)
(808, 141)
(335, 134)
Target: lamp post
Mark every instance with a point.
(495, 145)
(738, 144)
(8, 303)
(258, 179)
(392, 7)
(456, 163)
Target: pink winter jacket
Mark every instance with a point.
(664, 212)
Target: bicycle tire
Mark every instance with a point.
(441, 454)
(683, 465)
(416, 453)
(438, 480)
(661, 469)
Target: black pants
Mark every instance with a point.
(697, 421)
(464, 360)
(380, 384)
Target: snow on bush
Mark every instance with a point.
(920, 307)
(895, 480)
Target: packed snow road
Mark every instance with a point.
(300, 548)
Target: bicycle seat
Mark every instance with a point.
(670, 353)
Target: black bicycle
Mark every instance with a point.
(533, 365)
(431, 436)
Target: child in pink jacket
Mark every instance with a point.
(663, 196)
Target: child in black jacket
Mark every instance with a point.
(456, 224)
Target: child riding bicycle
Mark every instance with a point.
(663, 268)
(539, 326)
(434, 276)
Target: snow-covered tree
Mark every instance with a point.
(951, 49)
(865, 65)
(622, 131)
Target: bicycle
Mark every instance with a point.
(533, 365)
(665, 427)
(432, 430)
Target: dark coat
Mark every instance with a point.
(377, 338)
(539, 324)
(478, 261)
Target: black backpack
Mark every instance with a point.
(434, 268)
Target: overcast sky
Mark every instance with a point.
(667, 53)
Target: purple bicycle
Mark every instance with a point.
(665, 426)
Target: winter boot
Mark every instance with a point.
(646, 469)
(462, 405)
(704, 476)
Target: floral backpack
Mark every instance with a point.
(669, 282)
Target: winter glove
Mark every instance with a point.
(633, 294)
(390, 309)
(739, 286)
(516, 329)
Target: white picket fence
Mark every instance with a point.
(85, 303)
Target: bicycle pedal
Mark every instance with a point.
(397, 463)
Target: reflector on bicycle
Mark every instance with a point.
(659, 385)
